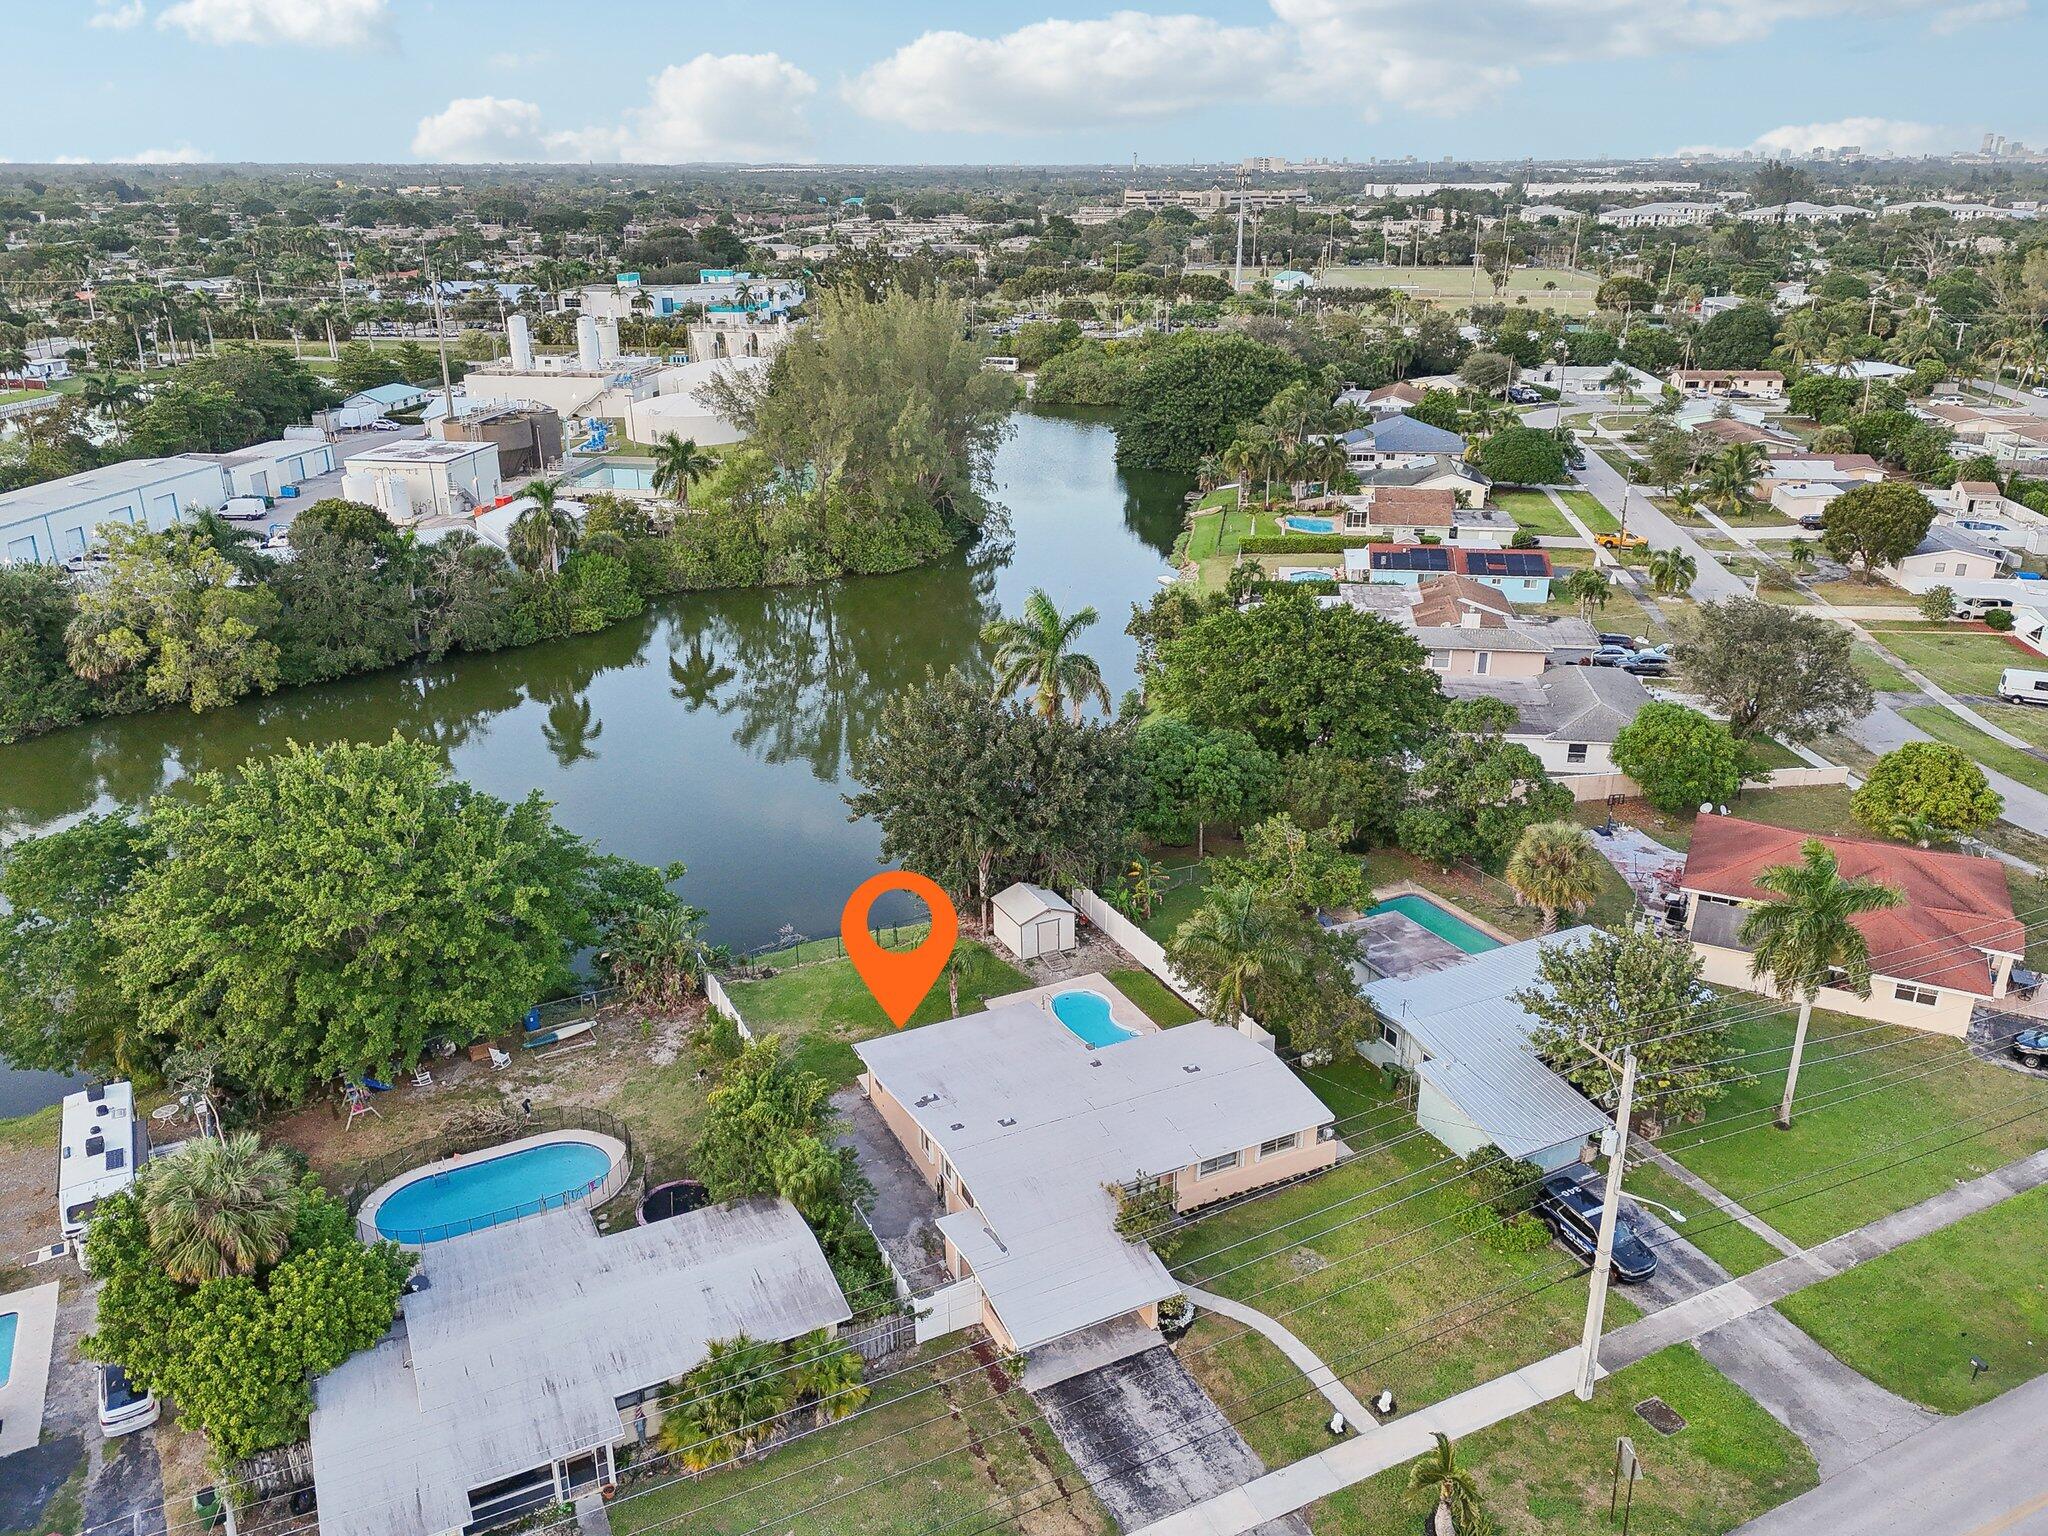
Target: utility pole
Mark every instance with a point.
(440, 340)
(348, 326)
(1610, 1211)
(1237, 274)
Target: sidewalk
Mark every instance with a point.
(1316, 1477)
(1321, 1377)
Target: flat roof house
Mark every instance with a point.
(513, 1372)
(1952, 944)
(1021, 1128)
(1479, 1080)
(1718, 383)
(62, 518)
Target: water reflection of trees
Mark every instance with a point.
(816, 664)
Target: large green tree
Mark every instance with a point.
(1194, 777)
(1297, 676)
(38, 690)
(1190, 394)
(1876, 524)
(1473, 790)
(1036, 650)
(1679, 757)
(1522, 456)
(1924, 790)
(1771, 671)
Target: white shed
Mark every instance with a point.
(1032, 921)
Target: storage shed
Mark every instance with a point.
(1032, 921)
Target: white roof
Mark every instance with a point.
(420, 450)
(1036, 1124)
(97, 484)
(525, 1336)
(1022, 902)
(98, 1147)
(1475, 1037)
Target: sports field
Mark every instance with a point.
(1541, 287)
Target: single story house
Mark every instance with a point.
(2007, 433)
(1952, 944)
(384, 398)
(1980, 509)
(1031, 921)
(1841, 468)
(1405, 514)
(1726, 430)
(1479, 1081)
(61, 518)
(1802, 498)
(1396, 438)
(1568, 717)
(1387, 399)
(1592, 379)
(1719, 383)
(1523, 575)
(1471, 630)
(513, 1371)
(1022, 1129)
(1948, 554)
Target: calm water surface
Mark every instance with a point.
(714, 730)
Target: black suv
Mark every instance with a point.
(1571, 1209)
(2030, 1047)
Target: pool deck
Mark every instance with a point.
(26, 1394)
(1394, 944)
(1121, 1009)
(366, 1215)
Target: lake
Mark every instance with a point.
(714, 729)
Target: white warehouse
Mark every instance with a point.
(61, 518)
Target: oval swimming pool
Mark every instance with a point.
(468, 1197)
(1087, 1014)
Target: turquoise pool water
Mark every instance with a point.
(1318, 575)
(1309, 524)
(10, 1322)
(1087, 1015)
(498, 1189)
(1439, 920)
(615, 476)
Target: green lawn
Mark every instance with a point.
(1591, 512)
(1876, 1136)
(1536, 512)
(1160, 1003)
(1878, 672)
(1733, 1246)
(1961, 661)
(1852, 593)
(1177, 905)
(1387, 1294)
(1281, 1417)
(914, 1461)
(2029, 722)
(1532, 287)
(1912, 1319)
(1548, 1472)
(826, 1008)
(1987, 750)
(10, 396)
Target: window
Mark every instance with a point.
(924, 1145)
(1280, 1144)
(1906, 992)
(1212, 1165)
(1389, 1035)
(1440, 661)
(1482, 663)
(1940, 567)
(1575, 753)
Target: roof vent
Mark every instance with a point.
(1007, 1120)
(96, 1092)
(95, 1144)
(928, 1099)
(959, 1125)
(1191, 1069)
(1094, 1061)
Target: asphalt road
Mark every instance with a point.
(1981, 1473)
(2011, 396)
(321, 487)
(1712, 582)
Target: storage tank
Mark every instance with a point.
(587, 355)
(522, 343)
(607, 340)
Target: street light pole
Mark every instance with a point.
(1610, 1212)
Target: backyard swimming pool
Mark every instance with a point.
(1309, 524)
(614, 475)
(1087, 1014)
(431, 1205)
(1439, 920)
(10, 1324)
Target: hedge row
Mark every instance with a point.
(1308, 543)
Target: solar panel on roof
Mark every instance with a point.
(1526, 565)
(1427, 559)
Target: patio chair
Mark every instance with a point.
(500, 1059)
(422, 1078)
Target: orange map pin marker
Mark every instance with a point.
(899, 979)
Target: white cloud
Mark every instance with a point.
(741, 106)
(482, 128)
(1064, 74)
(176, 154)
(1414, 55)
(1876, 135)
(110, 16)
(304, 23)
(1956, 17)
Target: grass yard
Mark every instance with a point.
(825, 1009)
(1962, 661)
(1591, 512)
(1912, 1319)
(1882, 1129)
(2027, 721)
(1733, 1246)
(916, 1460)
(1159, 1002)
(1536, 512)
(1878, 672)
(1535, 287)
(1851, 593)
(11, 396)
(1987, 750)
(1178, 904)
(1261, 1391)
(1388, 1295)
(1548, 1472)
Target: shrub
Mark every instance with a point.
(1679, 757)
(1999, 619)
(1924, 789)
(1308, 543)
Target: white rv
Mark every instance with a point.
(103, 1146)
(2023, 685)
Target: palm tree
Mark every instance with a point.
(1587, 586)
(826, 1376)
(544, 532)
(678, 461)
(1732, 474)
(736, 1395)
(107, 395)
(1034, 652)
(696, 678)
(1555, 868)
(1799, 554)
(656, 956)
(1235, 939)
(1807, 939)
(1685, 500)
(1672, 571)
(1144, 884)
(1454, 1492)
(220, 1207)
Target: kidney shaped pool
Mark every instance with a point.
(468, 1196)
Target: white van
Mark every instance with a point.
(246, 509)
(2022, 685)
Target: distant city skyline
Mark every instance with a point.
(919, 81)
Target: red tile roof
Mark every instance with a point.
(1955, 906)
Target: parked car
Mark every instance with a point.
(124, 1407)
(1608, 637)
(1610, 656)
(2041, 390)
(1812, 522)
(1571, 1209)
(1522, 394)
(1575, 458)
(1621, 540)
(246, 509)
(1647, 666)
(2030, 1047)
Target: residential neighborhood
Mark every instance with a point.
(1097, 774)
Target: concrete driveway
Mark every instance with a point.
(904, 1207)
(1150, 1442)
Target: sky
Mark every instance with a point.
(941, 81)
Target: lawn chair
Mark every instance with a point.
(422, 1078)
(500, 1059)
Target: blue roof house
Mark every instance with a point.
(1398, 433)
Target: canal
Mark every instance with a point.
(715, 729)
